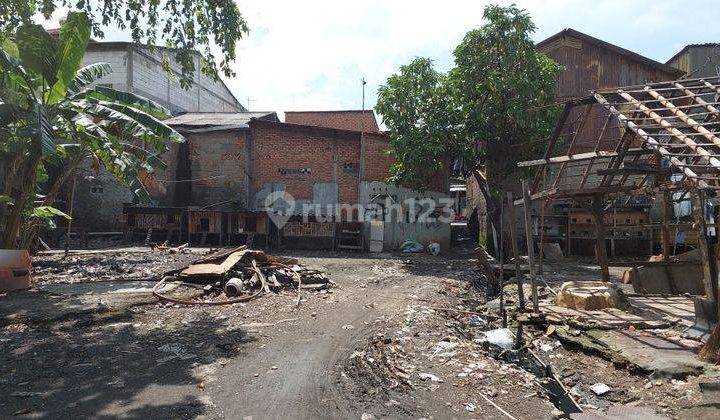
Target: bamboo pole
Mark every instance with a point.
(530, 245)
(501, 260)
(600, 250)
(516, 254)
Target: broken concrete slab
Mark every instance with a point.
(552, 251)
(667, 279)
(590, 295)
(649, 353)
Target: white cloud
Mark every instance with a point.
(308, 55)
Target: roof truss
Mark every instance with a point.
(655, 133)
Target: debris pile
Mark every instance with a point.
(239, 275)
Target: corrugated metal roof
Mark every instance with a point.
(211, 119)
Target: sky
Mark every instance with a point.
(312, 54)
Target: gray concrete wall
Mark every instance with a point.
(397, 229)
(139, 69)
(98, 200)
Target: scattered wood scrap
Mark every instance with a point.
(251, 273)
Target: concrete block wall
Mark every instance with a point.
(218, 168)
(117, 57)
(98, 200)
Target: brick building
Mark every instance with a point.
(232, 162)
(137, 68)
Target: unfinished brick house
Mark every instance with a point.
(232, 162)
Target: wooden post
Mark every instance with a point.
(600, 250)
(516, 254)
(530, 245)
(699, 217)
(501, 260)
(665, 228)
(70, 213)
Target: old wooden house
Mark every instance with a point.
(591, 64)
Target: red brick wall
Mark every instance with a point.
(321, 152)
(377, 162)
(327, 155)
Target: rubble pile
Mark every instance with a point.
(239, 275)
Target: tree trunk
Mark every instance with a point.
(21, 197)
(711, 351)
(492, 205)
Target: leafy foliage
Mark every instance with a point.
(185, 26)
(494, 108)
(418, 109)
(53, 119)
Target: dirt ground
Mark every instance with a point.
(394, 339)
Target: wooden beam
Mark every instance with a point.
(538, 196)
(553, 138)
(703, 246)
(579, 157)
(516, 254)
(684, 117)
(697, 99)
(665, 227)
(649, 140)
(600, 250)
(586, 173)
(583, 120)
(714, 161)
(530, 245)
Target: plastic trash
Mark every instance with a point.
(500, 337)
(434, 248)
(411, 246)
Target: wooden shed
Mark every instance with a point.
(591, 64)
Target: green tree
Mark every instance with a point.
(185, 26)
(418, 109)
(495, 107)
(52, 118)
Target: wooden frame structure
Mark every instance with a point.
(656, 138)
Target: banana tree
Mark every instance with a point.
(52, 119)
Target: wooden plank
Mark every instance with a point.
(516, 254)
(692, 144)
(583, 120)
(538, 196)
(586, 173)
(530, 245)
(697, 98)
(684, 117)
(553, 138)
(579, 157)
(600, 250)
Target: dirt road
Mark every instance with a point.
(266, 358)
(297, 365)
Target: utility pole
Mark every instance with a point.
(361, 170)
(248, 102)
